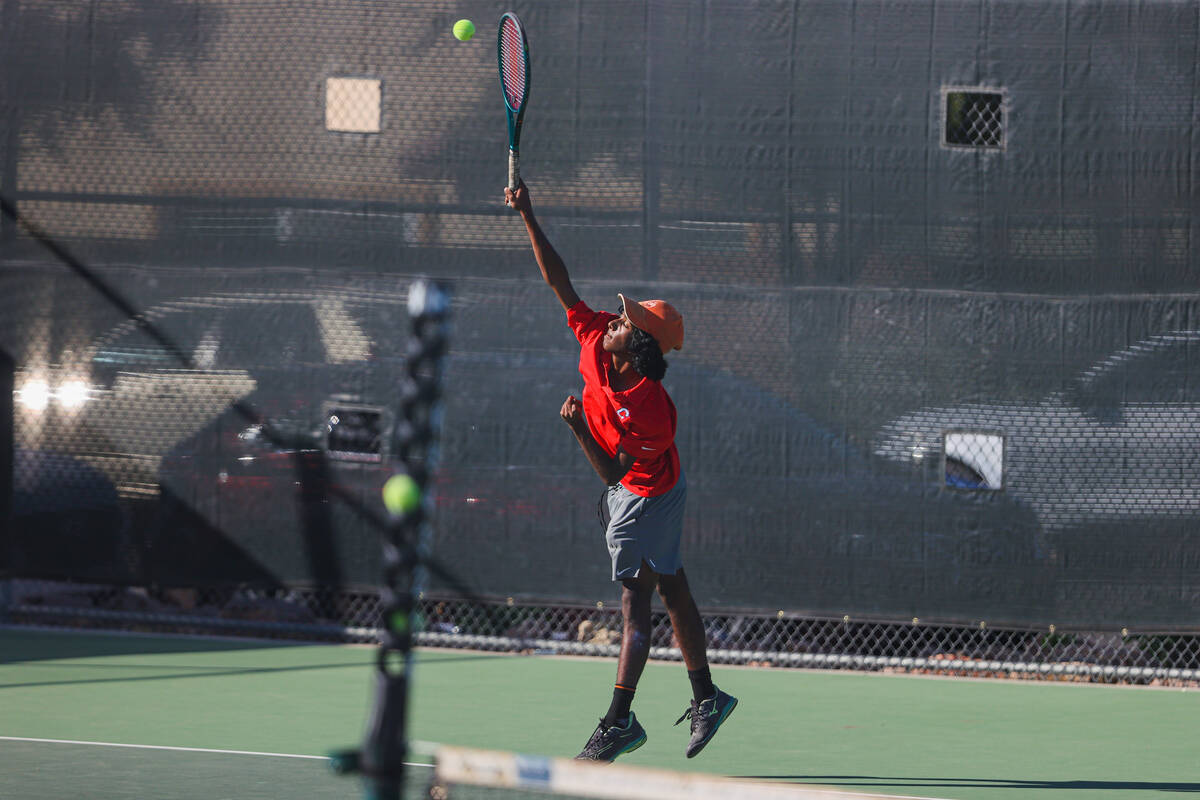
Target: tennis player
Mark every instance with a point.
(625, 424)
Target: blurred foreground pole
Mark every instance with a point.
(7, 385)
(406, 547)
(7, 370)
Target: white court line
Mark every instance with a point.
(178, 749)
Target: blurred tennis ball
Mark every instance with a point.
(401, 495)
(464, 29)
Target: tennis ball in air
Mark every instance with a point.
(464, 29)
(401, 495)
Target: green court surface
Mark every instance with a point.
(251, 719)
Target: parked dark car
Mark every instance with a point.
(782, 512)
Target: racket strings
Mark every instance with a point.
(512, 56)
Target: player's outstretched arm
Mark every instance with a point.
(548, 261)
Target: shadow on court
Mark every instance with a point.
(69, 658)
(24, 645)
(892, 783)
(119, 673)
(171, 672)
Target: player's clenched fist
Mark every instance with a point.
(572, 411)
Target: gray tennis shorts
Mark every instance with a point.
(645, 529)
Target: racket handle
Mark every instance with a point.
(514, 170)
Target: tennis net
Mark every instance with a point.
(468, 774)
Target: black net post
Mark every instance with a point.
(406, 545)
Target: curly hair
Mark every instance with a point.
(646, 355)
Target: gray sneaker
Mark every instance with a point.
(609, 742)
(706, 717)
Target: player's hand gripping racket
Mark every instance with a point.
(512, 50)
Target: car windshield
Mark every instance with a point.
(134, 347)
(1165, 370)
(271, 334)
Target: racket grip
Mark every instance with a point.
(514, 170)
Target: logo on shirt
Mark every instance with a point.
(623, 414)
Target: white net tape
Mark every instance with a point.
(458, 766)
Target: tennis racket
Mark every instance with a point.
(512, 51)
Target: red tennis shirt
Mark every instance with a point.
(640, 420)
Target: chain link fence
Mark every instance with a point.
(925, 375)
(918, 647)
(974, 118)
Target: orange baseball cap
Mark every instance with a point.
(657, 318)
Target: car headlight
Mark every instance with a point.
(34, 394)
(72, 394)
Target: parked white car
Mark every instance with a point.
(1120, 442)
